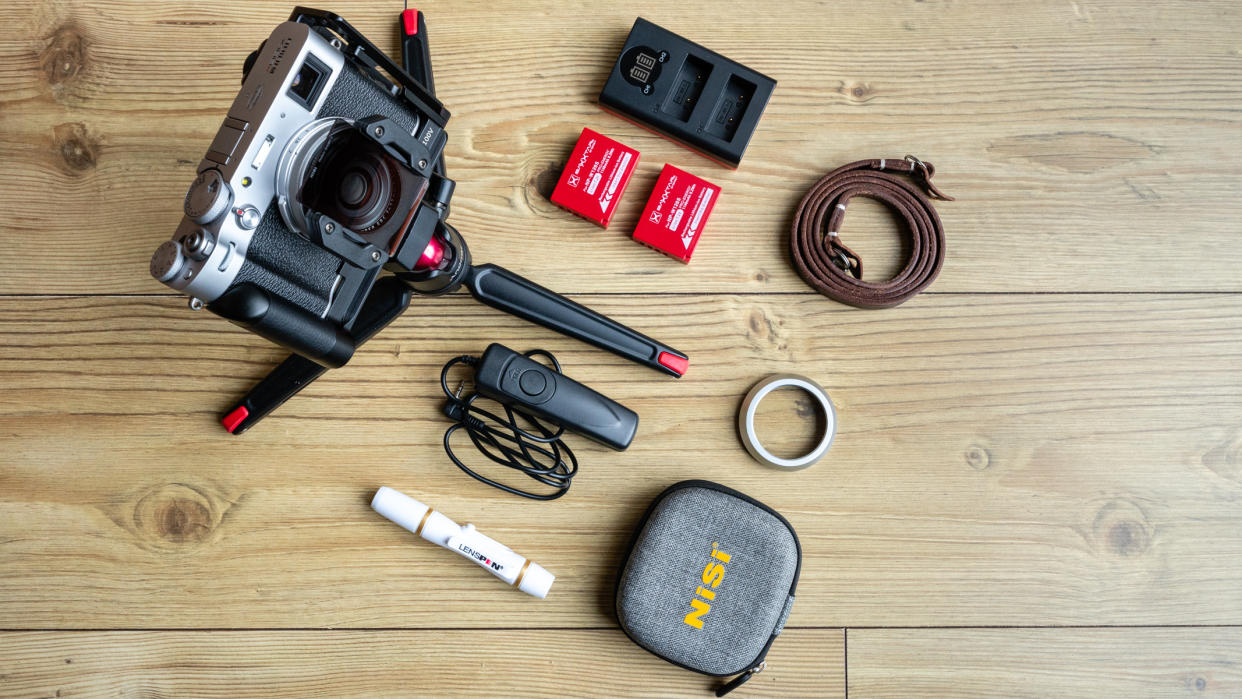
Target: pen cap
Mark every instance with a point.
(399, 507)
(536, 581)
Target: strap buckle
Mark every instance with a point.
(846, 261)
(926, 171)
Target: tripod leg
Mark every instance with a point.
(388, 299)
(511, 293)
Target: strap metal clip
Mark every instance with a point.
(926, 171)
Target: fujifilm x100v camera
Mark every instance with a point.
(327, 171)
(308, 190)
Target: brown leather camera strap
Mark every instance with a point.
(832, 268)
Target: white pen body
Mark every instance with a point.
(487, 553)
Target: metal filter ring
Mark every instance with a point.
(746, 421)
(295, 163)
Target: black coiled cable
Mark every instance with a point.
(540, 455)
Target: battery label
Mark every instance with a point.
(676, 213)
(595, 177)
(700, 212)
(622, 169)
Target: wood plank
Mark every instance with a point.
(1148, 662)
(1054, 459)
(1097, 139)
(561, 662)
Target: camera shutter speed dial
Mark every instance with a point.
(208, 197)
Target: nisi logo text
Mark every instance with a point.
(712, 576)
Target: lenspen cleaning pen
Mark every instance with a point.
(522, 573)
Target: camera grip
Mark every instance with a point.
(286, 324)
(511, 293)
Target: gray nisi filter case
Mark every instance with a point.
(709, 580)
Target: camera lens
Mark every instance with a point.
(332, 168)
(353, 189)
(356, 183)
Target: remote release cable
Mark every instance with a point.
(540, 454)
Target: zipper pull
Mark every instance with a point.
(741, 679)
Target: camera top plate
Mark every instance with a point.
(237, 176)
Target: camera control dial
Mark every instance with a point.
(208, 197)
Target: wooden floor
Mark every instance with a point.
(1036, 488)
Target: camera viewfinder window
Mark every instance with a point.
(309, 81)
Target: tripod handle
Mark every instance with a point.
(387, 300)
(514, 294)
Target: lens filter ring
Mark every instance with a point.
(295, 163)
(750, 405)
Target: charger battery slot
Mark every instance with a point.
(737, 96)
(687, 92)
(688, 87)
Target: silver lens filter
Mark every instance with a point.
(750, 405)
(295, 163)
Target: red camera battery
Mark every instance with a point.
(595, 177)
(676, 213)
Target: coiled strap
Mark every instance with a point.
(832, 268)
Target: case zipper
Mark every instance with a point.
(741, 679)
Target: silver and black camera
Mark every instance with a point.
(312, 185)
(328, 170)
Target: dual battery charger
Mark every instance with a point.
(683, 91)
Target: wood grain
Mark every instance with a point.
(562, 662)
(1096, 140)
(1050, 438)
(1148, 662)
(1000, 460)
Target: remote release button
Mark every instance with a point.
(532, 382)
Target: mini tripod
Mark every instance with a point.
(445, 267)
